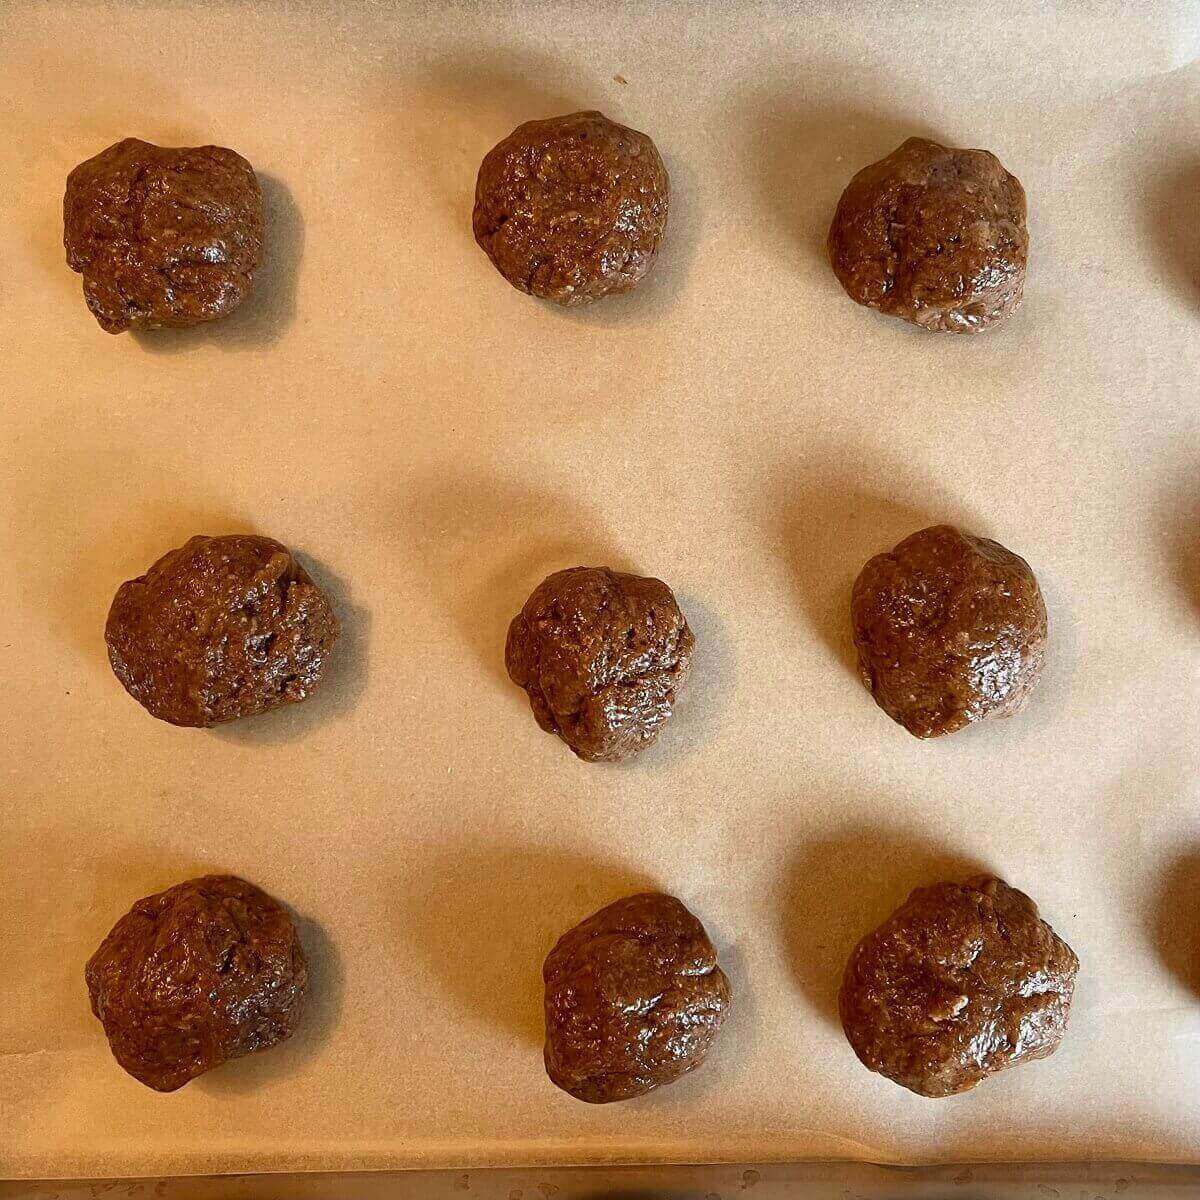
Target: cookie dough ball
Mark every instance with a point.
(602, 656)
(949, 629)
(204, 972)
(962, 981)
(572, 208)
(634, 999)
(222, 628)
(163, 236)
(933, 235)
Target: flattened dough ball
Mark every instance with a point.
(634, 999)
(933, 235)
(222, 628)
(206, 971)
(949, 629)
(602, 656)
(163, 236)
(962, 981)
(572, 208)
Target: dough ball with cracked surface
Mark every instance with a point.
(221, 628)
(602, 656)
(962, 981)
(634, 999)
(949, 629)
(209, 970)
(572, 208)
(933, 235)
(163, 236)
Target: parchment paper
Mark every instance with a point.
(432, 443)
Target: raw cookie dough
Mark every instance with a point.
(163, 236)
(222, 628)
(962, 981)
(572, 208)
(602, 656)
(204, 972)
(949, 629)
(933, 235)
(634, 999)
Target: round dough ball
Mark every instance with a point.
(949, 629)
(602, 656)
(962, 981)
(222, 628)
(933, 235)
(204, 972)
(634, 999)
(163, 236)
(572, 208)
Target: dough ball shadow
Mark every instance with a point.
(483, 919)
(841, 886)
(1174, 231)
(1176, 919)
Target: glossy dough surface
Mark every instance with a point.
(962, 981)
(221, 628)
(163, 236)
(933, 235)
(949, 629)
(206, 971)
(572, 208)
(634, 999)
(602, 656)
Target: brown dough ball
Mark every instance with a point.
(950, 629)
(222, 628)
(933, 235)
(602, 656)
(163, 236)
(962, 981)
(572, 208)
(634, 999)
(204, 972)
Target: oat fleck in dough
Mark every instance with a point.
(602, 655)
(163, 236)
(206, 971)
(949, 629)
(634, 999)
(962, 981)
(572, 208)
(933, 235)
(222, 628)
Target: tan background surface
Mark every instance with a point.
(432, 443)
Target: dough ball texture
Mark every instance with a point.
(634, 999)
(206, 971)
(163, 236)
(963, 980)
(222, 628)
(949, 629)
(933, 235)
(572, 208)
(602, 656)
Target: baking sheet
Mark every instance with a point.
(433, 443)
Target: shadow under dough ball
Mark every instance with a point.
(949, 629)
(634, 999)
(962, 981)
(933, 235)
(222, 628)
(572, 208)
(602, 656)
(163, 236)
(209, 970)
